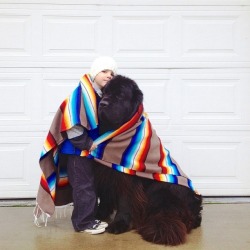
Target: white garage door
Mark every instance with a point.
(191, 59)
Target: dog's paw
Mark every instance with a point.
(118, 227)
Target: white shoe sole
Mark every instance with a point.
(94, 231)
(103, 224)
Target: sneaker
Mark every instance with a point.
(102, 224)
(95, 229)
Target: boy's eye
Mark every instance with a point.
(106, 71)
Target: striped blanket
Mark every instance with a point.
(133, 149)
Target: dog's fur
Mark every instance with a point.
(160, 212)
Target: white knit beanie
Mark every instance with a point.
(102, 63)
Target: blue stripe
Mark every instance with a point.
(190, 184)
(56, 158)
(74, 106)
(98, 152)
(51, 180)
(63, 173)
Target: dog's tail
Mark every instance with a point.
(165, 213)
(163, 228)
(169, 216)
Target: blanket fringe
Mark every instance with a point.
(61, 211)
(41, 218)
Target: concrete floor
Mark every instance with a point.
(224, 226)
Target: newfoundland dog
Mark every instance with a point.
(161, 212)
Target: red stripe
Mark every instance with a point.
(50, 140)
(63, 122)
(145, 147)
(131, 122)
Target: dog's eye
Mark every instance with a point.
(106, 96)
(120, 97)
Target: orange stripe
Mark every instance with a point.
(49, 142)
(129, 171)
(63, 181)
(84, 153)
(66, 123)
(159, 177)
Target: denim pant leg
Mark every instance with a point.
(81, 178)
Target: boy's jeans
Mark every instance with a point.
(81, 178)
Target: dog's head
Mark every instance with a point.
(121, 99)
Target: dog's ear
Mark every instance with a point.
(126, 84)
(138, 96)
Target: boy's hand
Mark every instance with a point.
(93, 147)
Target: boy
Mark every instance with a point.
(80, 169)
(71, 133)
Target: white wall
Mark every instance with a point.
(191, 59)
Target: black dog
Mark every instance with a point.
(160, 212)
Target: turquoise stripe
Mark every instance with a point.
(90, 112)
(118, 167)
(74, 107)
(90, 116)
(172, 166)
(172, 179)
(43, 153)
(103, 137)
(190, 184)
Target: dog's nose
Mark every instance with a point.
(103, 103)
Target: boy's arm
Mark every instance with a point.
(78, 136)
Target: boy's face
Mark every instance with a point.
(103, 77)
